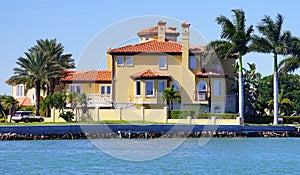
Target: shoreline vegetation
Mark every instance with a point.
(84, 130)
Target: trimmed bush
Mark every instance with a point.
(67, 116)
(183, 114)
(269, 119)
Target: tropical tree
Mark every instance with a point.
(235, 38)
(274, 41)
(9, 103)
(42, 67)
(33, 69)
(290, 64)
(54, 53)
(283, 103)
(170, 96)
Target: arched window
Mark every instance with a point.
(176, 85)
(202, 86)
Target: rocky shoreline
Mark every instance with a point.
(103, 131)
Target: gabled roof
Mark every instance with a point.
(24, 101)
(155, 46)
(149, 74)
(153, 31)
(87, 76)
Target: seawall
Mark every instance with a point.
(141, 131)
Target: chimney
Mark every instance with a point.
(161, 30)
(185, 43)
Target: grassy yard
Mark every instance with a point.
(77, 123)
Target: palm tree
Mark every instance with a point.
(235, 41)
(170, 96)
(54, 53)
(273, 41)
(33, 69)
(289, 64)
(283, 102)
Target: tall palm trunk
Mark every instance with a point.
(37, 99)
(275, 122)
(241, 90)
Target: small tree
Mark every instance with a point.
(170, 96)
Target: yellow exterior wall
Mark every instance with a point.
(227, 65)
(124, 85)
(108, 62)
(88, 88)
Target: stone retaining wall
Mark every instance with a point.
(141, 131)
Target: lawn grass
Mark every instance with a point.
(78, 123)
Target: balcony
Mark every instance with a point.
(200, 96)
(230, 105)
(99, 100)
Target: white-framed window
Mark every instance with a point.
(176, 85)
(162, 62)
(129, 61)
(149, 88)
(147, 38)
(161, 86)
(193, 62)
(108, 89)
(120, 60)
(75, 88)
(20, 90)
(137, 88)
(104, 90)
(217, 88)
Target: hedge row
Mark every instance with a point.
(183, 114)
(269, 119)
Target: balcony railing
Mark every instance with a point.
(99, 99)
(200, 95)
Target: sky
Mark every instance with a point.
(76, 23)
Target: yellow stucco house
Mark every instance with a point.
(140, 72)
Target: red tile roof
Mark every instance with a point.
(155, 46)
(24, 101)
(149, 74)
(153, 31)
(211, 74)
(87, 76)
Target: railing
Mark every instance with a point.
(230, 105)
(231, 98)
(200, 96)
(99, 99)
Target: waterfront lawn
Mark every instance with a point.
(78, 123)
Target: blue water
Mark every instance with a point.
(218, 156)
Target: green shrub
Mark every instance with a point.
(27, 108)
(67, 116)
(269, 119)
(259, 120)
(183, 114)
(290, 119)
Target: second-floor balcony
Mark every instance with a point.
(100, 100)
(200, 95)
